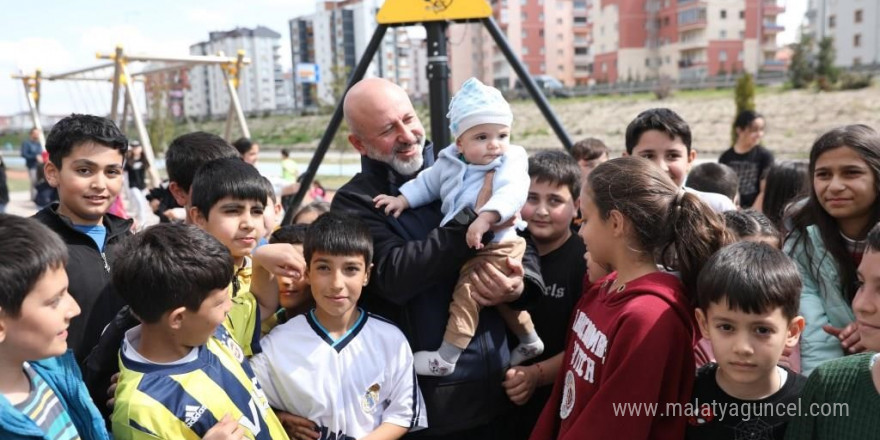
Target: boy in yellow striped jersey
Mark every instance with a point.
(183, 369)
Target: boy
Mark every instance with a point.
(711, 177)
(228, 201)
(748, 296)
(350, 372)
(186, 154)
(86, 155)
(294, 296)
(481, 170)
(183, 369)
(589, 153)
(849, 386)
(41, 390)
(550, 208)
(663, 137)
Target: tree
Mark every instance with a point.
(744, 98)
(826, 73)
(800, 71)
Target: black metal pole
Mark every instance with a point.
(335, 121)
(527, 81)
(438, 82)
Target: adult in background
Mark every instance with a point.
(416, 264)
(31, 152)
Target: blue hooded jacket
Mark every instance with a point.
(62, 375)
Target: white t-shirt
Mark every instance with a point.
(718, 202)
(349, 386)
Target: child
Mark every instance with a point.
(294, 296)
(309, 213)
(248, 150)
(186, 154)
(751, 225)
(787, 182)
(228, 201)
(350, 372)
(748, 158)
(716, 178)
(589, 153)
(663, 137)
(183, 369)
(828, 238)
(41, 391)
(747, 305)
(272, 214)
(136, 166)
(289, 170)
(632, 334)
(86, 155)
(550, 208)
(849, 386)
(481, 164)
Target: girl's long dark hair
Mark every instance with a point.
(668, 222)
(866, 142)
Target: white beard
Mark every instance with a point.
(402, 167)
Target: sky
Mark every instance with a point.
(59, 36)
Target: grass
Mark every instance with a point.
(17, 184)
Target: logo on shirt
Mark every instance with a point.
(554, 291)
(370, 399)
(193, 414)
(567, 395)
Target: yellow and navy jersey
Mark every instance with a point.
(184, 401)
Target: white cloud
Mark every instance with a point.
(104, 39)
(31, 53)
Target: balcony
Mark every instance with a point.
(700, 23)
(687, 4)
(771, 8)
(772, 28)
(692, 43)
(773, 65)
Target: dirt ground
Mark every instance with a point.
(794, 118)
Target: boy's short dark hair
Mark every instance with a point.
(243, 145)
(285, 152)
(714, 177)
(338, 234)
(168, 266)
(188, 152)
(227, 178)
(873, 239)
(29, 249)
(750, 277)
(749, 223)
(661, 119)
(588, 149)
(291, 234)
(558, 168)
(76, 129)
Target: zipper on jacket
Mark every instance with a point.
(106, 266)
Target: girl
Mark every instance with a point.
(787, 182)
(827, 238)
(632, 334)
(747, 156)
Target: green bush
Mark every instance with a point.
(855, 81)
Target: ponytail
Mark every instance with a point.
(695, 233)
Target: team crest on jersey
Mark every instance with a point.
(567, 395)
(370, 399)
(234, 349)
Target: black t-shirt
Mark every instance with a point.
(563, 271)
(764, 419)
(137, 173)
(750, 168)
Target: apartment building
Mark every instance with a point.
(334, 38)
(854, 26)
(261, 82)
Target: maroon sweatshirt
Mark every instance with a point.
(625, 350)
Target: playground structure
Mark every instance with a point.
(122, 81)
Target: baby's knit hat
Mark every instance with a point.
(475, 104)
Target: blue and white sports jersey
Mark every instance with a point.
(348, 386)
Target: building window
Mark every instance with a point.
(858, 16)
(740, 56)
(742, 35)
(857, 61)
(523, 16)
(542, 51)
(558, 21)
(524, 2)
(722, 56)
(560, 67)
(742, 15)
(647, 63)
(525, 50)
(541, 33)
(723, 14)
(666, 21)
(525, 34)
(541, 16)
(723, 34)
(559, 37)
(857, 40)
(832, 21)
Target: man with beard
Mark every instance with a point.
(416, 264)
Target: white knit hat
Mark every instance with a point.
(475, 104)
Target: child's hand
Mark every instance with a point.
(297, 427)
(393, 205)
(849, 336)
(475, 232)
(520, 383)
(226, 429)
(280, 259)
